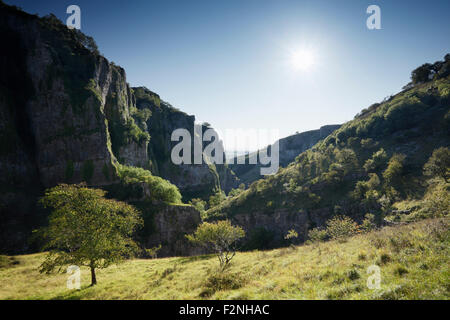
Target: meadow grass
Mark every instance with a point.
(413, 258)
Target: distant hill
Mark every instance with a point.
(289, 148)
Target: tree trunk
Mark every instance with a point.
(93, 278)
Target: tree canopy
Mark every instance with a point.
(221, 237)
(86, 229)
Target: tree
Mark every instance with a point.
(393, 173)
(86, 229)
(438, 164)
(220, 237)
(422, 73)
(291, 236)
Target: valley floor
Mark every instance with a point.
(414, 263)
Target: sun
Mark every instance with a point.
(303, 59)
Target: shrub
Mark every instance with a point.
(160, 189)
(384, 258)
(292, 234)
(200, 205)
(393, 173)
(153, 252)
(220, 237)
(368, 223)
(437, 201)
(438, 164)
(218, 281)
(353, 275)
(341, 227)
(317, 235)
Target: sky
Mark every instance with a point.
(283, 65)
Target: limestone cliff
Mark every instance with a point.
(68, 115)
(194, 180)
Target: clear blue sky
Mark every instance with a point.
(229, 62)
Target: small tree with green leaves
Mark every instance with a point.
(86, 229)
(220, 237)
(438, 164)
(341, 227)
(291, 236)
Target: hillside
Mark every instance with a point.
(366, 166)
(413, 260)
(289, 148)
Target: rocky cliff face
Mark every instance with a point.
(67, 115)
(165, 224)
(193, 180)
(289, 148)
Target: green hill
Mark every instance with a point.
(366, 166)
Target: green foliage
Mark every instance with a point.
(311, 272)
(200, 205)
(125, 133)
(218, 281)
(341, 227)
(317, 235)
(292, 234)
(368, 223)
(153, 252)
(421, 74)
(393, 173)
(438, 164)
(217, 198)
(220, 237)
(437, 201)
(159, 189)
(377, 161)
(86, 229)
(143, 95)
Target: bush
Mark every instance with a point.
(438, 164)
(341, 227)
(368, 223)
(160, 189)
(437, 201)
(218, 281)
(317, 235)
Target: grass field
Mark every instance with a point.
(413, 259)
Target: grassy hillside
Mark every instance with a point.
(413, 258)
(365, 166)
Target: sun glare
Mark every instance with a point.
(303, 59)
